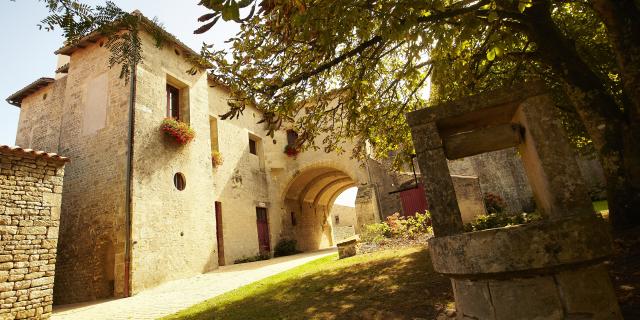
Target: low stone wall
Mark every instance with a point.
(30, 195)
(343, 232)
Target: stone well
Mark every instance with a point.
(552, 269)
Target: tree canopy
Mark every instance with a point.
(352, 69)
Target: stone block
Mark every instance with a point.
(40, 293)
(347, 248)
(41, 281)
(588, 291)
(473, 299)
(33, 230)
(22, 284)
(6, 286)
(528, 298)
(7, 230)
(52, 233)
(6, 266)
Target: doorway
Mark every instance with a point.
(219, 237)
(263, 230)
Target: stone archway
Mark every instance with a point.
(308, 199)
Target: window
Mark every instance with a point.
(179, 181)
(292, 137)
(252, 147)
(337, 219)
(293, 218)
(173, 102)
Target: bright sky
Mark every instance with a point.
(347, 198)
(27, 52)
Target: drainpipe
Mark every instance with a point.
(129, 182)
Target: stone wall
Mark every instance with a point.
(173, 231)
(241, 183)
(344, 226)
(30, 195)
(40, 118)
(94, 125)
(500, 173)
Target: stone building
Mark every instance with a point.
(138, 209)
(344, 222)
(30, 193)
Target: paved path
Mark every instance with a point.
(177, 295)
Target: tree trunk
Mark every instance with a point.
(610, 128)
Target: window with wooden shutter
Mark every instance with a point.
(173, 102)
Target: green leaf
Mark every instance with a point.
(521, 6)
(491, 55)
(498, 51)
(493, 16)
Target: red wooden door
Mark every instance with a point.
(219, 236)
(414, 200)
(263, 230)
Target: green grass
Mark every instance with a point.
(397, 284)
(600, 205)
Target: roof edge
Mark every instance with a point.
(34, 154)
(150, 25)
(17, 97)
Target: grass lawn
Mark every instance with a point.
(390, 284)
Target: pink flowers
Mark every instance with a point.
(178, 130)
(291, 151)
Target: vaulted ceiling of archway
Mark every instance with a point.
(318, 185)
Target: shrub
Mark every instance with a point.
(417, 225)
(216, 159)
(375, 233)
(397, 227)
(178, 130)
(258, 257)
(494, 203)
(285, 247)
(499, 220)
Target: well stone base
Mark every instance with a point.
(584, 293)
(547, 270)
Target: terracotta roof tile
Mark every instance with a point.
(52, 157)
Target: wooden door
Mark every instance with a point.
(219, 236)
(414, 200)
(263, 230)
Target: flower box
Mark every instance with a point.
(291, 151)
(178, 130)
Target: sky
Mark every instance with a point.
(27, 52)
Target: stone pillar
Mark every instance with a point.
(549, 162)
(438, 186)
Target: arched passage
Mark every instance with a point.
(308, 200)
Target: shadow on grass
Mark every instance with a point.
(393, 284)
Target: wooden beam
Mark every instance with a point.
(483, 140)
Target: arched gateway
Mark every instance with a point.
(308, 199)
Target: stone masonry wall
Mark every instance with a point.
(500, 172)
(93, 135)
(173, 231)
(30, 193)
(40, 118)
